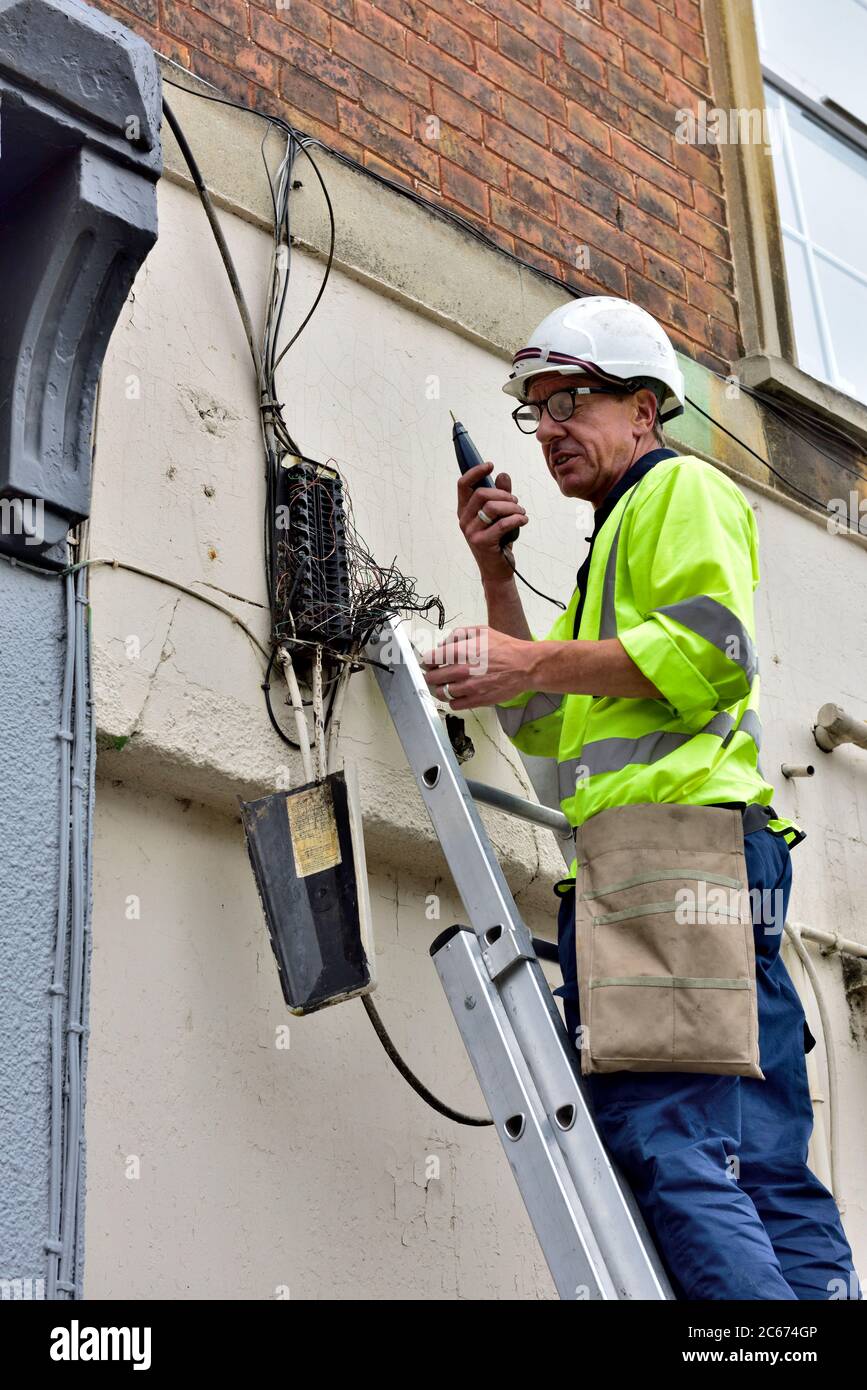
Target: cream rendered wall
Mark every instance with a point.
(260, 1167)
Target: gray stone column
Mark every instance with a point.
(79, 160)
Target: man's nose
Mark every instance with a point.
(548, 430)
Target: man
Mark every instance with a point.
(646, 691)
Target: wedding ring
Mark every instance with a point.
(446, 691)
(483, 516)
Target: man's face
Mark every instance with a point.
(587, 454)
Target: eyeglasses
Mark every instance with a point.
(561, 406)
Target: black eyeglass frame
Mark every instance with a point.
(572, 391)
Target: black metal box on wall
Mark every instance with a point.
(307, 852)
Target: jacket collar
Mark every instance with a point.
(633, 475)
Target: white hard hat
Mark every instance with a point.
(606, 338)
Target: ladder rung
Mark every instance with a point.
(520, 807)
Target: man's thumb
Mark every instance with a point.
(504, 482)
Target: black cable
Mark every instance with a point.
(418, 1086)
(769, 466)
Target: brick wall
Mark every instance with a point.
(549, 123)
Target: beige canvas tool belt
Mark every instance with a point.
(664, 938)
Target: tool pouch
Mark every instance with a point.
(664, 939)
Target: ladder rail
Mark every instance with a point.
(530, 1035)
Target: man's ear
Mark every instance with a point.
(644, 407)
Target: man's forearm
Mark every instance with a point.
(588, 668)
(505, 610)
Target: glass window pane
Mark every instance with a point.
(785, 193)
(845, 301)
(821, 48)
(811, 359)
(832, 177)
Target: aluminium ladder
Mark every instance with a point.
(585, 1217)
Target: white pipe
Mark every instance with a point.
(300, 722)
(318, 715)
(833, 1107)
(834, 726)
(336, 716)
(831, 939)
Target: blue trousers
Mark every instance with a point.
(718, 1163)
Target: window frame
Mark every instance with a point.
(770, 360)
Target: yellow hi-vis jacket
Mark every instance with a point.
(672, 574)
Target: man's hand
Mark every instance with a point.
(480, 666)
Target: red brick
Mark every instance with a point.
(306, 94)
(398, 149)
(586, 94)
(664, 272)
(595, 132)
(301, 53)
(639, 98)
(502, 239)
(515, 80)
(690, 13)
(667, 307)
(456, 111)
(685, 38)
(468, 15)
(701, 165)
(696, 74)
(653, 200)
(641, 36)
(344, 9)
(649, 231)
(439, 65)
(384, 102)
(385, 67)
(200, 32)
(388, 171)
(642, 162)
(525, 224)
(226, 80)
(524, 118)
(595, 195)
(713, 301)
(645, 69)
(530, 255)
(457, 147)
(603, 42)
(645, 10)
(307, 18)
(709, 205)
(583, 60)
(590, 161)
(523, 18)
(536, 195)
(519, 50)
(592, 230)
(718, 272)
(134, 15)
(232, 14)
(518, 150)
(679, 95)
(381, 28)
(725, 341)
(465, 188)
(646, 132)
(706, 233)
(450, 39)
(604, 271)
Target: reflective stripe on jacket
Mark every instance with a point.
(672, 575)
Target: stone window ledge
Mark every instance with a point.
(782, 379)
